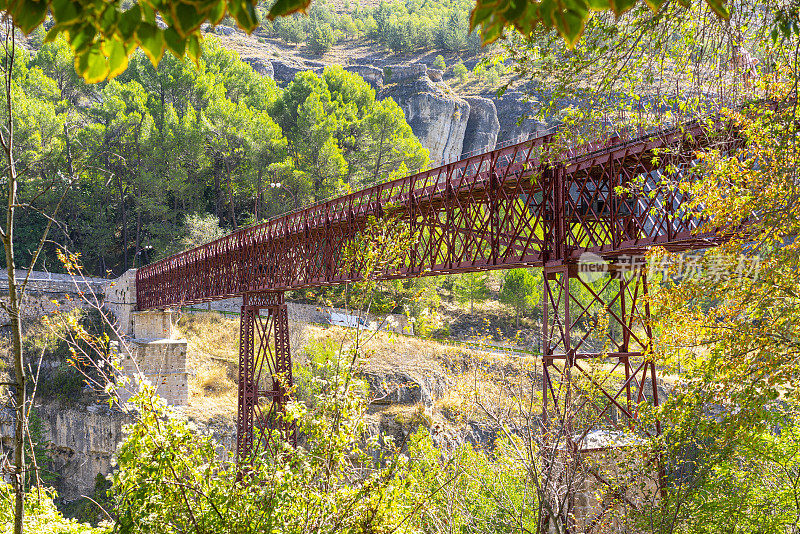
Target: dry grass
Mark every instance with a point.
(477, 381)
(410, 416)
(212, 356)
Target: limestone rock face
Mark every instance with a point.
(436, 115)
(483, 126)
(435, 75)
(404, 387)
(285, 70)
(80, 443)
(372, 75)
(400, 73)
(510, 108)
(261, 66)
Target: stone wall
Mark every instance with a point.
(154, 352)
(311, 314)
(50, 292)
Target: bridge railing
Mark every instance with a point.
(518, 205)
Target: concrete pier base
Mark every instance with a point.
(149, 344)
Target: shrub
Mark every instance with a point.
(347, 26)
(453, 35)
(290, 29)
(439, 63)
(41, 514)
(460, 71)
(474, 43)
(321, 38)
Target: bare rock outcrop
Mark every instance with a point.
(483, 126)
(286, 70)
(261, 65)
(435, 75)
(406, 387)
(437, 116)
(511, 107)
(372, 75)
(80, 442)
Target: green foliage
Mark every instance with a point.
(289, 28)
(747, 481)
(460, 71)
(469, 489)
(439, 63)
(320, 363)
(321, 38)
(39, 459)
(88, 509)
(568, 20)
(41, 514)
(472, 288)
(170, 478)
(403, 26)
(103, 36)
(520, 290)
(216, 140)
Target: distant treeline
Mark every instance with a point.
(159, 158)
(403, 26)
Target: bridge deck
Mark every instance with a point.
(523, 205)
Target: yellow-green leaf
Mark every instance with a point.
(64, 11)
(92, 64)
(151, 39)
(28, 14)
(287, 7)
(117, 54)
(175, 42)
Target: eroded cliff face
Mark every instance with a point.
(514, 110)
(437, 116)
(482, 126)
(81, 442)
(448, 125)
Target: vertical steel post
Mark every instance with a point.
(265, 374)
(630, 324)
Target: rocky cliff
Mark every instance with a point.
(448, 125)
(80, 442)
(483, 126)
(437, 116)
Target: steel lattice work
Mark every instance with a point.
(265, 373)
(531, 204)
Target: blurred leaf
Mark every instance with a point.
(28, 14)
(287, 7)
(151, 39)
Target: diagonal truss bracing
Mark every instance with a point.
(524, 205)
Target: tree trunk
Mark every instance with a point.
(137, 190)
(259, 194)
(231, 210)
(217, 189)
(68, 150)
(124, 224)
(12, 305)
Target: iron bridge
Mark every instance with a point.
(533, 204)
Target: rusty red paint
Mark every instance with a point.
(524, 205)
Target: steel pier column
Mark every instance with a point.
(265, 375)
(597, 373)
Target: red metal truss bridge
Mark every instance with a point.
(533, 204)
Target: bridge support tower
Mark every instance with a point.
(265, 375)
(597, 374)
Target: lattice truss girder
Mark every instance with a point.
(265, 374)
(518, 206)
(596, 343)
